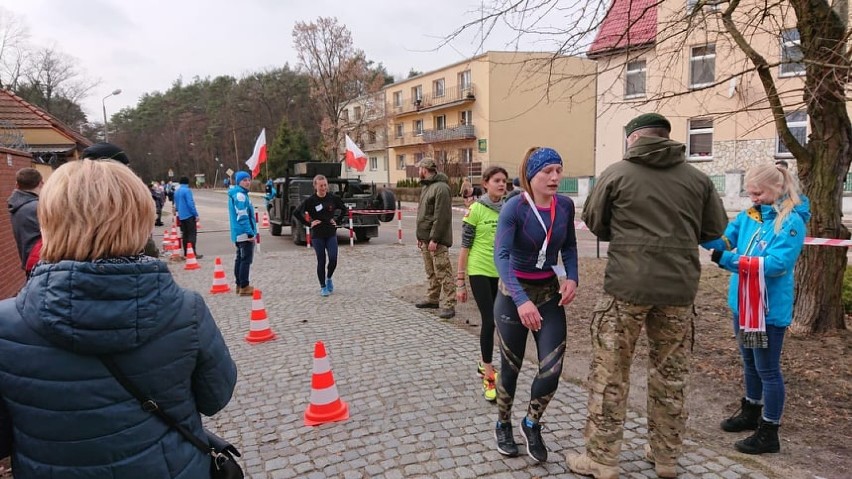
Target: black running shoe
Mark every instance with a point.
(535, 444)
(505, 439)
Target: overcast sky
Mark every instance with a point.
(144, 46)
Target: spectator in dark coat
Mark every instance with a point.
(93, 294)
(22, 208)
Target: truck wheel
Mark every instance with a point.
(274, 229)
(387, 201)
(361, 236)
(298, 234)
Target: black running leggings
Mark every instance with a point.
(484, 290)
(550, 343)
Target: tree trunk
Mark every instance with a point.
(819, 273)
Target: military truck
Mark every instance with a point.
(356, 195)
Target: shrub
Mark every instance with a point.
(847, 290)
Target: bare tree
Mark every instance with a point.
(14, 34)
(824, 35)
(338, 73)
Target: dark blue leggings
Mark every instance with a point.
(550, 343)
(321, 246)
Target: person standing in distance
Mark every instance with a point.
(188, 215)
(323, 212)
(651, 281)
(435, 237)
(243, 230)
(23, 205)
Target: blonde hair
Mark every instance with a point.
(778, 181)
(93, 209)
(522, 170)
(319, 178)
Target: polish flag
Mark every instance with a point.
(355, 158)
(258, 156)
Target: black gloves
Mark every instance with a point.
(716, 256)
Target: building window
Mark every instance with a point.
(357, 113)
(400, 162)
(700, 139)
(466, 155)
(345, 115)
(791, 54)
(374, 163)
(464, 80)
(466, 117)
(441, 157)
(418, 127)
(634, 82)
(418, 157)
(441, 122)
(702, 66)
(400, 130)
(417, 93)
(397, 99)
(371, 137)
(438, 88)
(797, 122)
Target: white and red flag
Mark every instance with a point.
(258, 156)
(355, 158)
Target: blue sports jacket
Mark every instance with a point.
(241, 214)
(184, 203)
(71, 418)
(752, 233)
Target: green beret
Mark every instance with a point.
(648, 120)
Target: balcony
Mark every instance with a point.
(460, 132)
(453, 169)
(452, 96)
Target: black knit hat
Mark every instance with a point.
(105, 151)
(648, 120)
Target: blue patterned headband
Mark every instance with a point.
(541, 158)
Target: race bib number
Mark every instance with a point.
(318, 207)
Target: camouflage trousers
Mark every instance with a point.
(439, 274)
(615, 327)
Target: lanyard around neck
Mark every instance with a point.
(548, 230)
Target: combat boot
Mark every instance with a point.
(765, 439)
(663, 470)
(585, 466)
(745, 419)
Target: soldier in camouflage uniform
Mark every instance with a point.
(651, 280)
(434, 238)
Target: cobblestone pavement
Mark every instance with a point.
(409, 379)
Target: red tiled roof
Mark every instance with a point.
(628, 23)
(23, 114)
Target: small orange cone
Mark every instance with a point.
(220, 284)
(265, 223)
(167, 240)
(174, 247)
(191, 261)
(176, 239)
(326, 405)
(259, 330)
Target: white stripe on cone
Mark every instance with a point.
(321, 397)
(258, 325)
(321, 365)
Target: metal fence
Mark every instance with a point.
(568, 186)
(719, 183)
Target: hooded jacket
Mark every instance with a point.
(654, 209)
(241, 215)
(70, 417)
(435, 212)
(22, 208)
(752, 233)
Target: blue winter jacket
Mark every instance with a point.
(241, 213)
(752, 233)
(185, 203)
(71, 418)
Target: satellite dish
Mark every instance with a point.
(732, 87)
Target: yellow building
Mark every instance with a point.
(649, 61)
(488, 110)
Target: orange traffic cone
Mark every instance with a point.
(326, 405)
(265, 223)
(220, 284)
(191, 261)
(259, 330)
(167, 241)
(174, 247)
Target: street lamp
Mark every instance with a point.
(103, 103)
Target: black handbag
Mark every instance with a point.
(222, 464)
